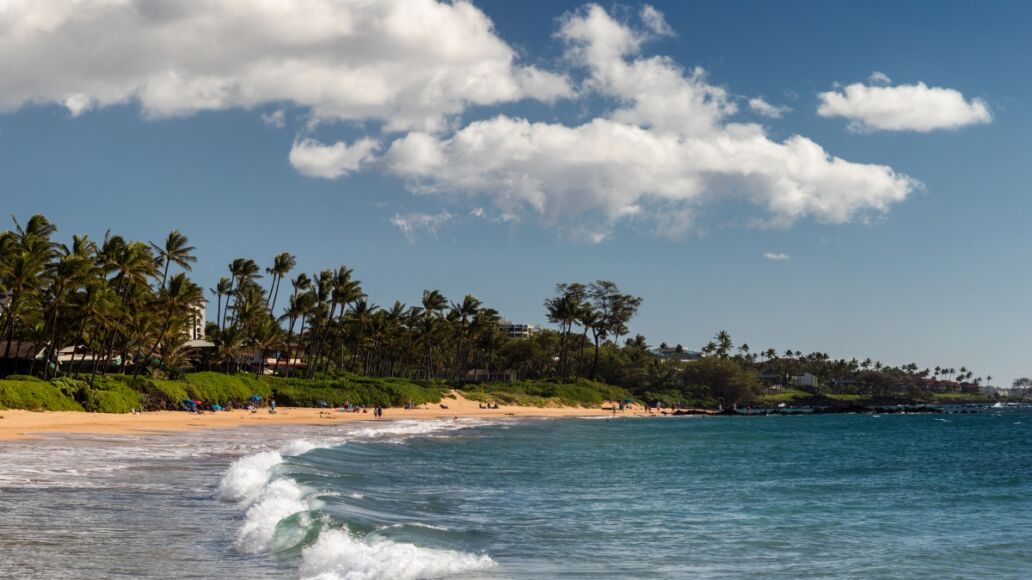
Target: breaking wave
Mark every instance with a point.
(279, 514)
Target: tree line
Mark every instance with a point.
(130, 307)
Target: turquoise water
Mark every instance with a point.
(836, 496)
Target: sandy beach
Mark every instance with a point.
(17, 424)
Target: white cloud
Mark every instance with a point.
(657, 93)
(312, 158)
(916, 107)
(666, 150)
(662, 156)
(776, 257)
(276, 119)
(879, 78)
(407, 63)
(765, 109)
(655, 21)
(411, 224)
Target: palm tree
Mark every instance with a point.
(175, 251)
(298, 308)
(223, 288)
(464, 314)
(24, 257)
(179, 297)
(434, 304)
(66, 275)
(242, 271)
(266, 336)
(281, 266)
(724, 344)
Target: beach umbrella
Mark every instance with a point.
(217, 407)
(255, 398)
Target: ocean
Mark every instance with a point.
(831, 496)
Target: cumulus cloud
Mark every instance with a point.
(411, 224)
(776, 256)
(665, 148)
(765, 109)
(411, 64)
(662, 156)
(276, 119)
(314, 159)
(655, 21)
(916, 107)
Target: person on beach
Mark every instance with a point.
(272, 406)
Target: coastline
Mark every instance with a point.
(21, 424)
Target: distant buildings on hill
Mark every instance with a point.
(676, 353)
(518, 329)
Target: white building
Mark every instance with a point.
(518, 330)
(804, 380)
(198, 321)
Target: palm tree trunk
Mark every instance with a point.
(594, 364)
(161, 337)
(11, 309)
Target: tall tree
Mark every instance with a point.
(176, 250)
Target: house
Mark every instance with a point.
(676, 353)
(518, 330)
(805, 380)
(22, 349)
(485, 376)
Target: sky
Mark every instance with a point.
(847, 177)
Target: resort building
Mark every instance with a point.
(676, 353)
(197, 321)
(518, 330)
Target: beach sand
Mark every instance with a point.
(17, 424)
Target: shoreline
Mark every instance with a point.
(21, 424)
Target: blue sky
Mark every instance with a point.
(932, 270)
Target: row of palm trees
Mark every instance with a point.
(118, 298)
(329, 323)
(598, 308)
(129, 306)
(867, 374)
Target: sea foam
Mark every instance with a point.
(337, 555)
(246, 477)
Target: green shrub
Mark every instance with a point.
(170, 393)
(350, 388)
(219, 388)
(24, 378)
(35, 395)
(546, 393)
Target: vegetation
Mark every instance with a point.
(107, 326)
(35, 395)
